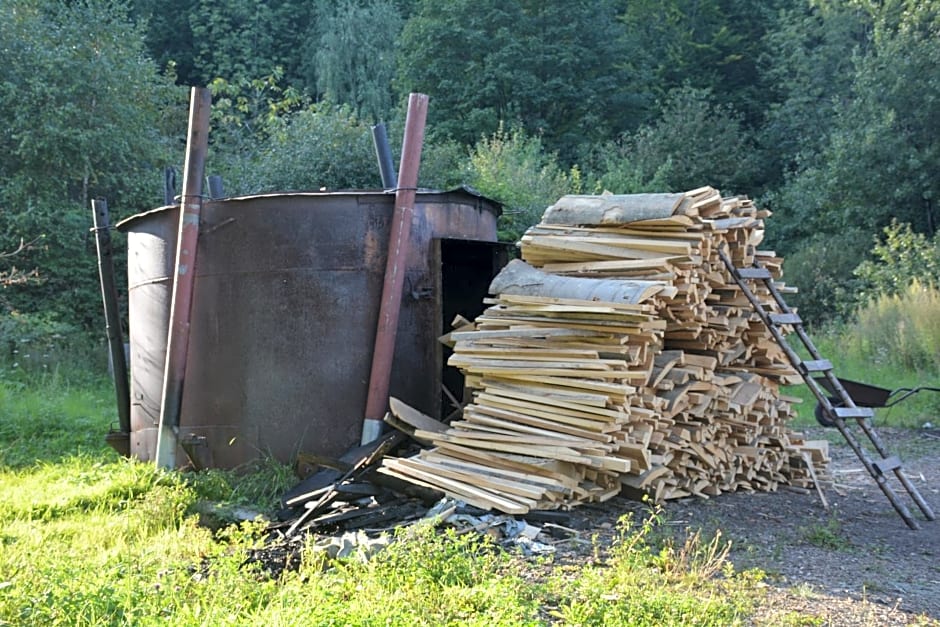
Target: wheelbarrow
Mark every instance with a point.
(864, 395)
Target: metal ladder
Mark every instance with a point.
(877, 468)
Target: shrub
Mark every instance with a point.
(903, 329)
(822, 269)
(901, 258)
(511, 167)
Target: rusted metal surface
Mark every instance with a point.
(197, 146)
(112, 321)
(286, 298)
(398, 249)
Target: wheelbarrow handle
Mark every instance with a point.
(907, 393)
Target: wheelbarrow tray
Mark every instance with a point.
(862, 394)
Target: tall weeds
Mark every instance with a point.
(901, 330)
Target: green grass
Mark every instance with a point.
(89, 538)
(50, 419)
(827, 535)
(894, 343)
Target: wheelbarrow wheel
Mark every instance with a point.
(823, 417)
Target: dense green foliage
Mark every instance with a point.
(85, 114)
(826, 112)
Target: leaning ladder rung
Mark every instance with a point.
(816, 365)
(878, 468)
(887, 464)
(754, 273)
(785, 318)
(853, 412)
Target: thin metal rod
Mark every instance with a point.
(177, 345)
(398, 247)
(384, 155)
(216, 188)
(169, 185)
(112, 319)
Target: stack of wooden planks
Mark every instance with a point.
(628, 359)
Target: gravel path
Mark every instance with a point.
(857, 564)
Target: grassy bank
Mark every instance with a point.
(893, 344)
(89, 538)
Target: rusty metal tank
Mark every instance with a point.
(285, 305)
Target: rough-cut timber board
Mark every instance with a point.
(615, 209)
(477, 497)
(411, 416)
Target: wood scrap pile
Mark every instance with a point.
(627, 358)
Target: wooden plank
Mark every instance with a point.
(517, 421)
(621, 306)
(554, 332)
(645, 479)
(513, 432)
(582, 398)
(506, 408)
(520, 278)
(613, 389)
(589, 250)
(565, 473)
(571, 408)
(546, 451)
(664, 246)
(583, 420)
(411, 416)
(613, 209)
(474, 496)
(623, 375)
(657, 264)
(545, 483)
(525, 494)
(565, 445)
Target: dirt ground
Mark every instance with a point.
(857, 564)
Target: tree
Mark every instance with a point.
(706, 45)
(515, 170)
(554, 69)
(320, 146)
(86, 114)
(810, 63)
(880, 157)
(355, 56)
(168, 36)
(236, 39)
(900, 259)
(695, 142)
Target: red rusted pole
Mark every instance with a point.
(174, 374)
(398, 245)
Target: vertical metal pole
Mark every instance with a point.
(398, 245)
(216, 189)
(112, 319)
(384, 155)
(197, 146)
(169, 185)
